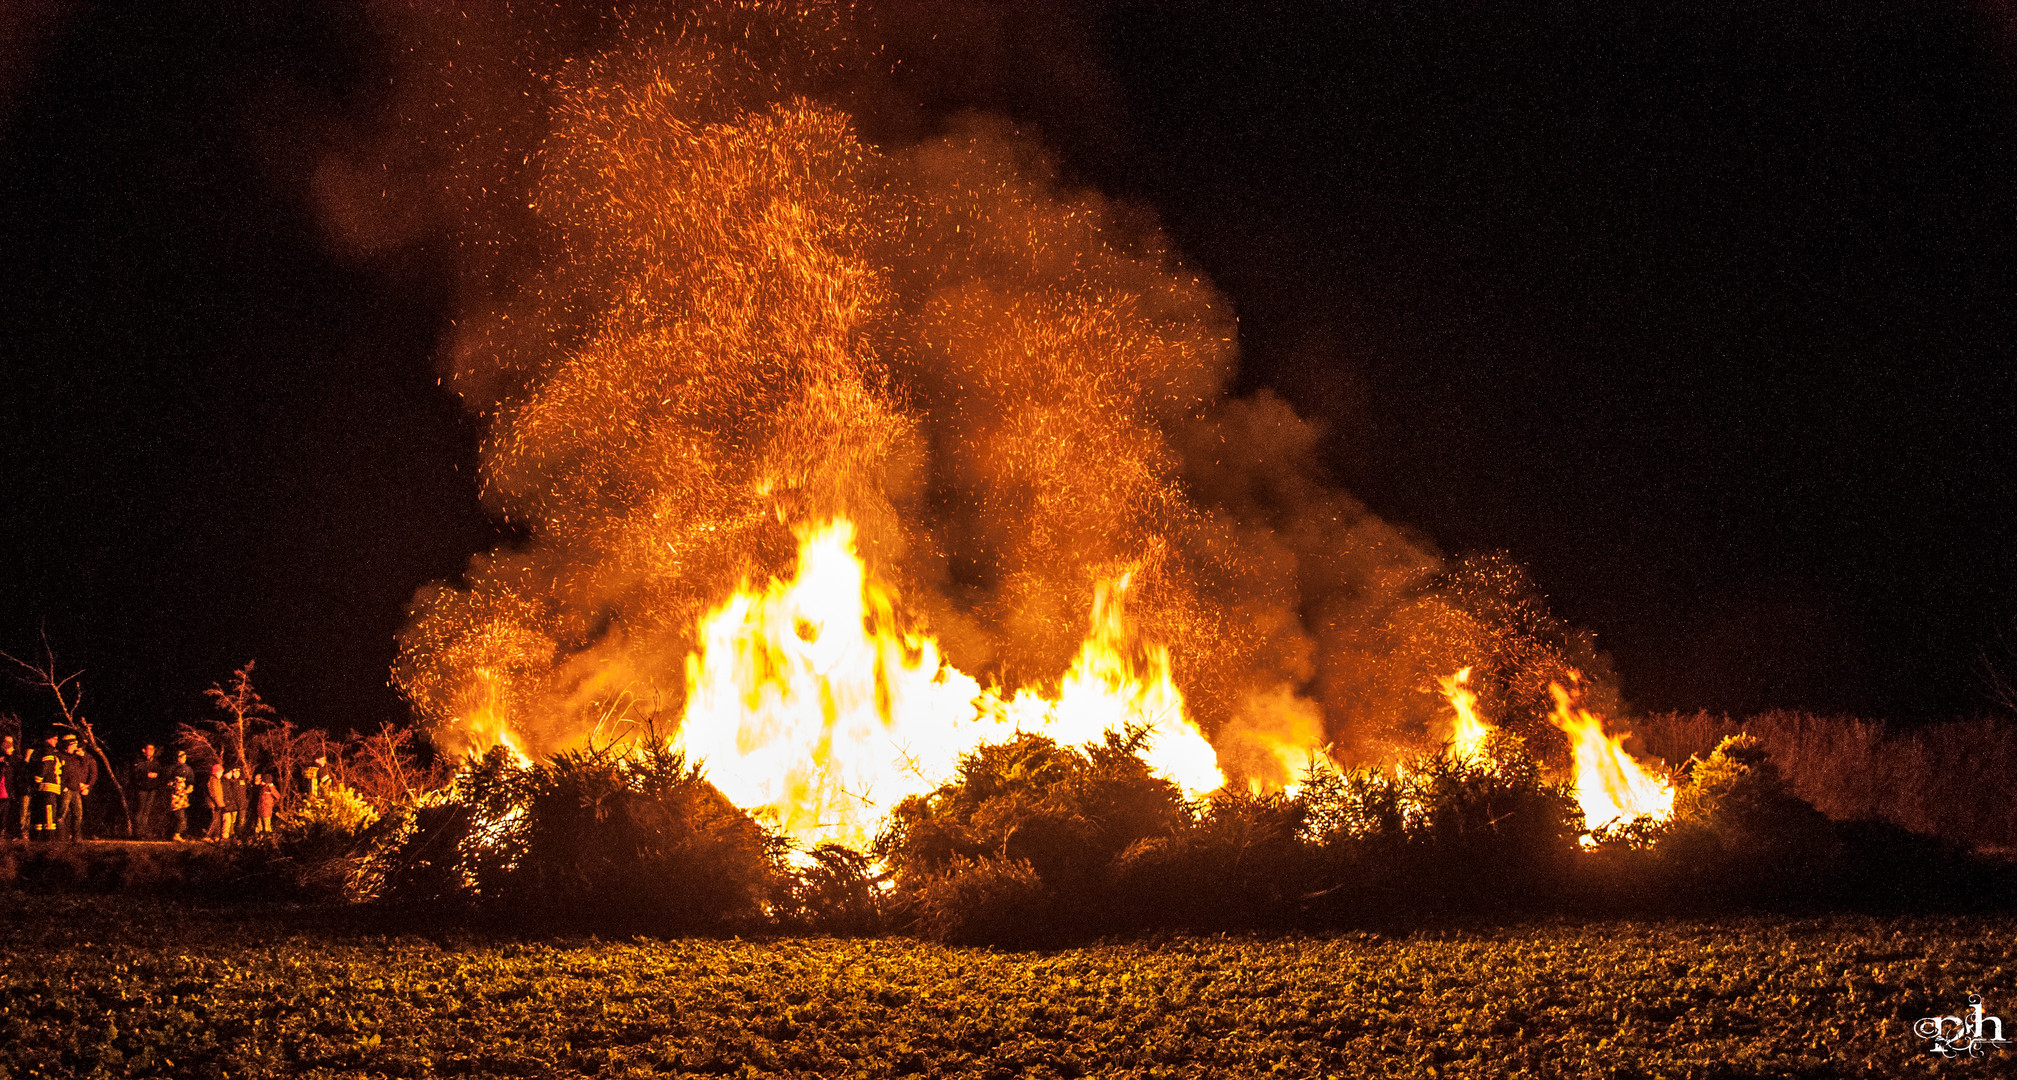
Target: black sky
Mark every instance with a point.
(1704, 314)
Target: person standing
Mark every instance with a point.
(178, 803)
(213, 801)
(79, 773)
(48, 788)
(181, 768)
(150, 786)
(10, 783)
(234, 802)
(268, 798)
(24, 799)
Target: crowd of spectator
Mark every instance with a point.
(43, 793)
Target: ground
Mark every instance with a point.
(123, 986)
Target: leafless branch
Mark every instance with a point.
(69, 694)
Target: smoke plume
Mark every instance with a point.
(723, 276)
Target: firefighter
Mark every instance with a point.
(48, 788)
(79, 773)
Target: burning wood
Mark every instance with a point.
(836, 458)
(1469, 733)
(1610, 787)
(809, 700)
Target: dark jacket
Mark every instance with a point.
(79, 771)
(14, 775)
(234, 795)
(150, 774)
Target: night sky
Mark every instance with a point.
(1706, 316)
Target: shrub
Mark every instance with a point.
(1439, 835)
(1740, 835)
(316, 845)
(1042, 821)
(1956, 779)
(634, 842)
(335, 813)
(1239, 864)
(838, 890)
(414, 857)
(987, 901)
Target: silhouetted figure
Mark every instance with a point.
(213, 801)
(268, 800)
(48, 788)
(182, 769)
(150, 788)
(79, 773)
(11, 780)
(234, 802)
(179, 791)
(24, 798)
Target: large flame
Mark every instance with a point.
(809, 701)
(1611, 787)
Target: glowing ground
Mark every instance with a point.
(127, 987)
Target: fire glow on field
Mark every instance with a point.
(809, 702)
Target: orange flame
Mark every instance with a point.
(1469, 732)
(808, 700)
(485, 727)
(1610, 786)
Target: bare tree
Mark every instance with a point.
(286, 750)
(202, 745)
(384, 768)
(69, 694)
(1999, 672)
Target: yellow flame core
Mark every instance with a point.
(1468, 735)
(483, 728)
(808, 701)
(1610, 786)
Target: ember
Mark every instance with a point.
(834, 460)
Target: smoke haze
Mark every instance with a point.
(729, 270)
